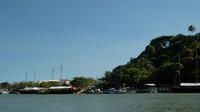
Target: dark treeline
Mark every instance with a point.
(166, 60)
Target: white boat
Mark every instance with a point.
(122, 91)
(30, 90)
(61, 90)
(111, 91)
(4, 91)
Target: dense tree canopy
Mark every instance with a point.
(166, 60)
(83, 82)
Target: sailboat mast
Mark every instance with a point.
(52, 73)
(61, 73)
(26, 76)
(179, 59)
(34, 76)
(196, 67)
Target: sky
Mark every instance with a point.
(88, 37)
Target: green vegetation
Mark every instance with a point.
(17, 85)
(83, 82)
(166, 60)
(4, 85)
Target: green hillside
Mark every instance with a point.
(166, 60)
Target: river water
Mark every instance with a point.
(101, 103)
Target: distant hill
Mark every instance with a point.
(166, 60)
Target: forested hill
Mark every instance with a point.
(166, 60)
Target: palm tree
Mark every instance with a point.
(191, 28)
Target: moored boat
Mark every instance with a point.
(187, 88)
(147, 88)
(61, 90)
(30, 90)
(4, 91)
(111, 91)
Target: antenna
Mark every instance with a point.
(61, 73)
(52, 72)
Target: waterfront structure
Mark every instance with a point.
(66, 82)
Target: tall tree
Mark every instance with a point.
(83, 82)
(191, 28)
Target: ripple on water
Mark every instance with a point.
(101, 103)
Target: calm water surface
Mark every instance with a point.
(101, 103)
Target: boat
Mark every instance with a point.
(111, 91)
(89, 91)
(147, 88)
(61, 90)
(30, 90)
(4, 91)
(93, 90)
(187, 88)
(122, 91)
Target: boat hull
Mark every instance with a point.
(60, 91)
(29, 91)
(187, 89)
